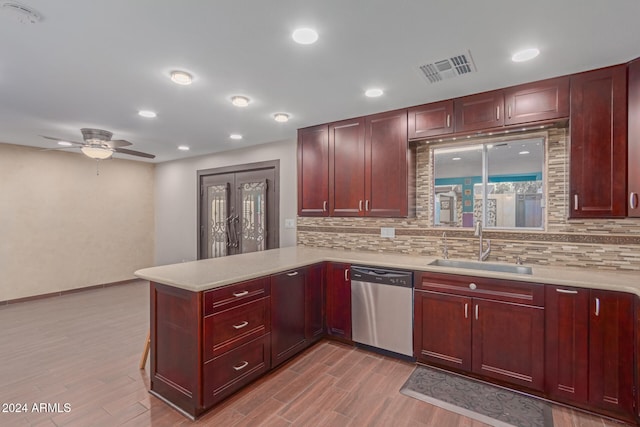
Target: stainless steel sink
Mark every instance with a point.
(484, 266)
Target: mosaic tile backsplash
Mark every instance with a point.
(608, 244)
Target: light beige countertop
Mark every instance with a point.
(212, 273)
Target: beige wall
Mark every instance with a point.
(63, 227)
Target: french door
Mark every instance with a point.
(238, 210)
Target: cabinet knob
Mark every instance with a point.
(472, 286)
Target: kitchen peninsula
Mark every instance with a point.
(218, 324)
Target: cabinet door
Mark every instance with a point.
(339, 300)
(313, 171)
(611, 350)
(598, 162)
(508, 342)
(287, 315)
(481, 111)
(633, 180)
(346, 168)
(386, 168)
(430, 120)
(442, 330)
(543, 100)
(567, 343)
(314, 302)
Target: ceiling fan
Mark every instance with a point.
(98, 145)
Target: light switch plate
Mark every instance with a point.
(289, 223)
(387, 232)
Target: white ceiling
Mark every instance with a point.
(96, 63)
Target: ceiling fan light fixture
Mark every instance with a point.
(181, 77)
(98, 153)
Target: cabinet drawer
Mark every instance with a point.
(483, 287)
(235, 369)
(228, 329)
(230, 296)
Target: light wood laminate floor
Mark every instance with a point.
(83, 350)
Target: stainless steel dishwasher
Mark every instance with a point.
(382, 309)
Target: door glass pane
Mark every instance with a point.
(218, 201)
(254, 216)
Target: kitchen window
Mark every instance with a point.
(499, 183)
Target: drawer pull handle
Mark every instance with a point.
(241, 366)
(477, 312)
(448, 120)
(597, 307)
(295, 273)
(324, 206)
(633, 200)
(241, 325)
(346, 274)
(240, 294)
(466, 310)
(498, 113)
(566, 291)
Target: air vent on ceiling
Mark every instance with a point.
(448, 68)
(20, 12)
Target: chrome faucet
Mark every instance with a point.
(445, 251)
(482, 254)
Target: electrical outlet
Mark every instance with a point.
(289, 223)
(388, 232)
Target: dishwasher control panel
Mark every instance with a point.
(382, 276)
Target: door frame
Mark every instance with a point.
(247, 167)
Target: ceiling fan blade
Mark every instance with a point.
(117, 143)
(61, 139)
(134, 153)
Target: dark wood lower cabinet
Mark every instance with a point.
(590, 349)
(611, 350)
(508, 342)
(287, 315)
(567, 343)
(442, 331)
(314, 302)
(339, 300)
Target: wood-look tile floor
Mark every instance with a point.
(83, 350)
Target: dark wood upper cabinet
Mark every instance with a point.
(430, 120)
(313, 171)
(598, 170)
(479, 112)
(543, 100)
(388, 164)
(346, 168)
(633, 141)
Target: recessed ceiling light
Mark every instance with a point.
(181, 77)
(373, 93)
(183, 147)
(235, 136)
(147, 113)
(305, 36)
(65, 143)
(281, 117)
(240, 101)
(524, 152)
(525, 55)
